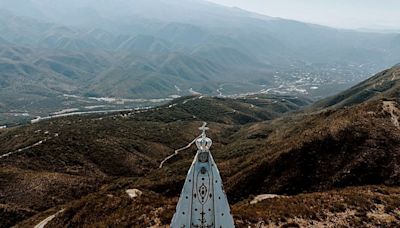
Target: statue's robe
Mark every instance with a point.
(203, 202)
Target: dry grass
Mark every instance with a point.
(290, 155)
(370, 206)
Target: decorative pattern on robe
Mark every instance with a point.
(203, 202)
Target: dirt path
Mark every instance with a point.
(263, 197)
(44, 222)
(183, 148)
(23, 149)
(177, 151)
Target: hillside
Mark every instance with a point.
(383, 85)
(317, 161)
(347, 207)
(131, 144)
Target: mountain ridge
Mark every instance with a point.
(383, 84)
(129, 54)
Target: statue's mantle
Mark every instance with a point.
(203, 202)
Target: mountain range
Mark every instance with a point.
(158, 48)
(334, 162)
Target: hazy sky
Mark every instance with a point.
(377, 14)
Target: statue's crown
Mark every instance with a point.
(203, 143)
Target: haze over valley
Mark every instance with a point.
(57, 56)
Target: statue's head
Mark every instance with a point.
(204, 143)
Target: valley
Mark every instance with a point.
(294, 81)
(145, 58)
